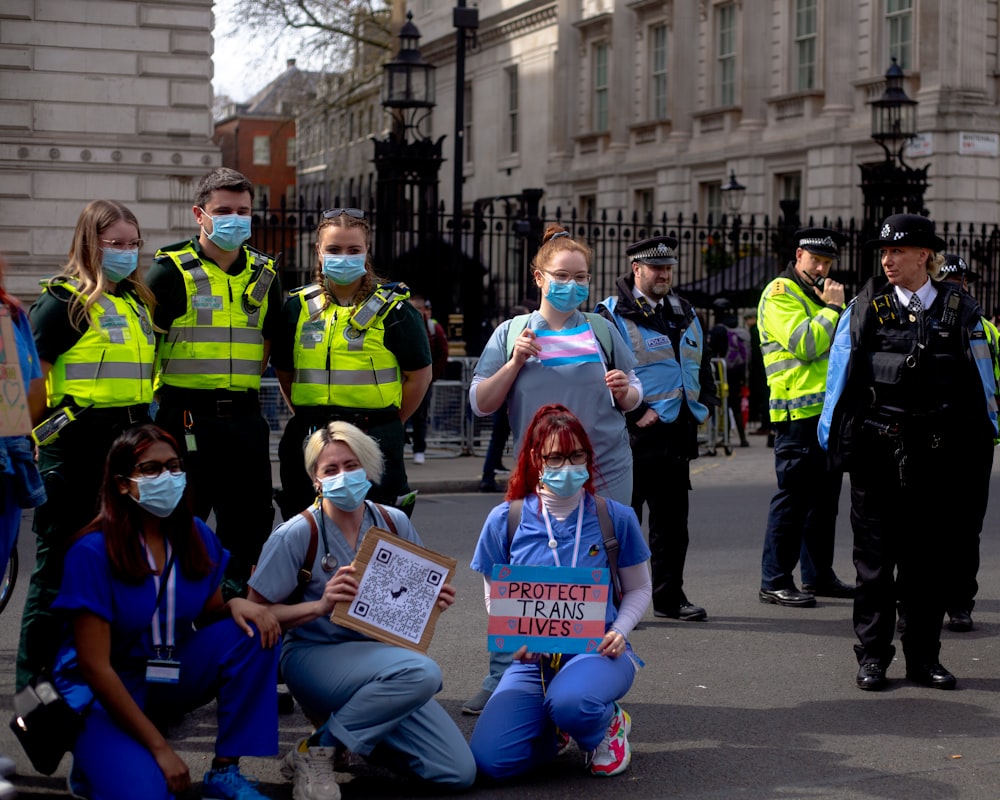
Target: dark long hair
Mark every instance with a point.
(120, 517)
(550, 420)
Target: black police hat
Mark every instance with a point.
(908, 230)
(820, 241)
(955, 264)
(659, 251)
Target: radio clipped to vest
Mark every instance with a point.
(380, 303)
(257, 289)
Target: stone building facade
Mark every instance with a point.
(100, 99)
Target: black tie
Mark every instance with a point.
(915, 307)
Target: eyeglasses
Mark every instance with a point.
(135, 244)
(150, 469)
(556, 460)
(333, 213)
(581, 279)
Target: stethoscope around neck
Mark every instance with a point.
(329, 561)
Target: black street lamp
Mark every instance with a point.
(733, 194)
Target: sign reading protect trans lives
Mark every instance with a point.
(547, 609)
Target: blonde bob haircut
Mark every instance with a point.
(361, 444)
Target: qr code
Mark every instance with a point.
(398, 592)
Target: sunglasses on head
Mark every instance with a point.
(332, 213)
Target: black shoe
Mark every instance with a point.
(686, 612)
(933, 675)
(871, 677)
(489, 486)
(960, 621)
(833, 588)
(787, 597)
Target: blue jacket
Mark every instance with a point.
(17, 463)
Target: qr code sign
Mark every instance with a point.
(398, 591)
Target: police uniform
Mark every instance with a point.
(796, 330)
(675, 370)
(102, 375)
(347, 369)
(910, 393)
(218, 326)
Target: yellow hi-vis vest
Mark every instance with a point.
(339, 365)
(217, 342)
(112, 363)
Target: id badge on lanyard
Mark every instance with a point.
(164, 668)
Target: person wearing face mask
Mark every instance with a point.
(559, 355)
(93, 330)
(360, 694)
(150, 635)
(542, 701)
(218, 302)
(349, 347)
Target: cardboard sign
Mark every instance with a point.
(14, 417)
(398, 587)
(548, 609)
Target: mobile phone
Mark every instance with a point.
(48, 431)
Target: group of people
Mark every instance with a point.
(150, 420)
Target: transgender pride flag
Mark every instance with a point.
(569, 346)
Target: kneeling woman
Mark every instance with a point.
(544, 700)
(359, 692)
(152, 636)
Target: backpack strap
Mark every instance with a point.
(515, 329)
(305, 572)
(385, 516)
(597, 324)
(513, 521)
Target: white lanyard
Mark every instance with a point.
(552, 539)
(171, 593)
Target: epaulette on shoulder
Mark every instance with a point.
(307, 291)
(778, 287)
(170, 248)
(260, 253)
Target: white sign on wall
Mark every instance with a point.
(920, 146)
(979, 144)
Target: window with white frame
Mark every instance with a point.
(467, 123)
(899, 31)
(725, 55)
(805, 45)
(262, 150)
(513, 105)
(600, 84)
(291, 151)
(712, 198)
(658, 72)
(644, 204)
(588, 206)
(789, 186)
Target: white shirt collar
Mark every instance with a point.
(637, 294)
(927, 293)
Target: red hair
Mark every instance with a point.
(552, 420)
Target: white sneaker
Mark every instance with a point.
(612, 755)
(311, 770)
(419, 458)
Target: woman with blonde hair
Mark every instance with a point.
(96, 345)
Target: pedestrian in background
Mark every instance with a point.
(218, 301)
(438, 340)
(676, 373)
(730, 342)
(349, 347)
(757, 379)
(93, 329)
(912, 389)
(797, 315)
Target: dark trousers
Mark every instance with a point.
(419, 421)
(803, 511)
(73, 470)
(229, 472)
(498, 442)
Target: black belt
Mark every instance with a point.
(213, 402)
(364, 418)
(124, 415)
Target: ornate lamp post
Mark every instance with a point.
(733, 194)
(406, 160)
(892, 186)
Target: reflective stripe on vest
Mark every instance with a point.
(217, 342)
(112, 363)
(338, 365)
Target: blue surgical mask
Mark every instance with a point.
(346, 490)
(118, 264)
(566, 296)
(229, 231)
(344, 269)
(565, 481)
(160, 495)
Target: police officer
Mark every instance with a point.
(349, 348)
(95, 341)
(912, 390)
(956, 270)
(218, 300)
(674, 367)
(797, 315)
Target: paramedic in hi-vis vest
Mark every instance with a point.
(218, 301)
(349, 347)
(797, 316)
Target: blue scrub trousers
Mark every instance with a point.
(517, 730)
(372, 694)
(219, 661)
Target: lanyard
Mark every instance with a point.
(170, 588)
(552, 539)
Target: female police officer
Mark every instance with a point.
(911, 390)
(349, 348)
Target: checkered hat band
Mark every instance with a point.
(824, 242)
(660, 251)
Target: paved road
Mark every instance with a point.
(758, 702)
